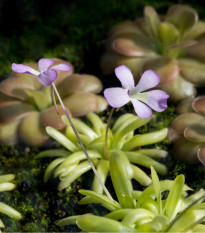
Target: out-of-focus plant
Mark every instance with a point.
(71, 164)
(162, 207)
(26, 106)
(187, 131)
(171, 45)
(7, 185)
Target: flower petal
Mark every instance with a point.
(125, 76)
(20, 68)
(62, 67)
(47, 77)
(116, 97)
(44, 64)
(142, 110)
(148, 80)
(157, 100)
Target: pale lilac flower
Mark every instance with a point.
(142, 101)
(46, 75)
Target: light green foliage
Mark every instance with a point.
(72, 163)
(7, 185)
(164, 206)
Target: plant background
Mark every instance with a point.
(74, 30)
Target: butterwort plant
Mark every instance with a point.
(100, 141)
(142, 101)
(46, 75)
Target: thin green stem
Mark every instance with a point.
(81, 144)
(106, 133)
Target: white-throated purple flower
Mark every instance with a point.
(142, 101)
(46, 75)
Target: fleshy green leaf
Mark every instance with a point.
(100, 224)
(6, 178)
(5, 209)
(59, 137)
(121, 174)
(67, 221)
(157, 189)
(146, 139)
(93, 197)
(172, 202)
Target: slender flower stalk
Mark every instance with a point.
(46, 77)
(81, 144)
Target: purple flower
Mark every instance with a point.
(46, 75)
(142, 101)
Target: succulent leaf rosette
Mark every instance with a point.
(7, 185)
(26, 106)
(72, 163)
(164, 206)
(171, 45)
(187, 131)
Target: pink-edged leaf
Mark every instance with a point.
(9, 132)
(125, 76)
(199, 104)
(193, 71)
(184, 17)
(101, 103)
(185, 106)
(152, 19)
(142, 110)
(81, 103)
(20, 68)
(116, 97)
(157, 100)
(92, 84)
(32, 132)
(195, 132)
(13, 110)
(148, 80)
(15, 87)
(133, 47)
(197, 50)
(185, 120)
(179, 89)
(49, 117)
(62, 67)
(46, 78)
(44, 64)
(166, 68)
(186, 150)
(201, 154)
(69, 85)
